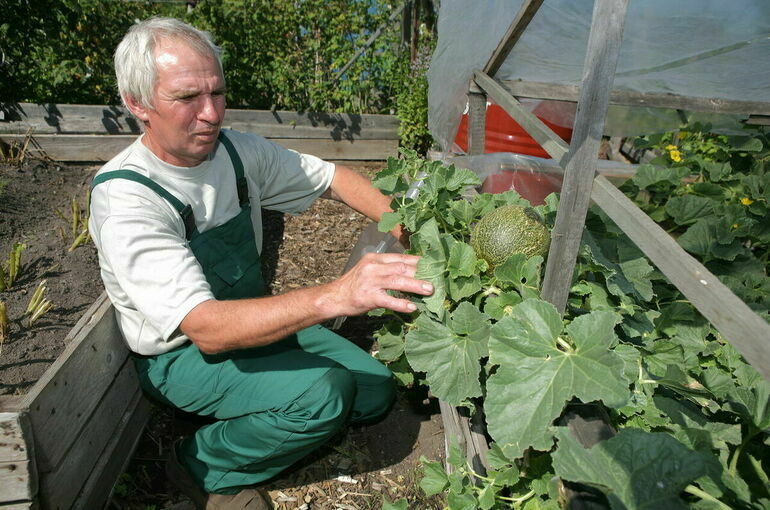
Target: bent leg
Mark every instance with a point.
(275, 405)
(375, 387)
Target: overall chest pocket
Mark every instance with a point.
(229, 258)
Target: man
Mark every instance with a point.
(176, 220)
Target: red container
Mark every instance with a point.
(503, 134)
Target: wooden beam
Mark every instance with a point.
(511, 37)
(598, 71)
(548, 140)
(738, 323)
(62, 401)
(18, 474)
(51, 119)
(116, 456)
(63, 484)
(477, 120)
(101, 148)
(539, 90)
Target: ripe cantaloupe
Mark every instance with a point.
(507, 230)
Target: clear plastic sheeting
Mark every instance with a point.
(696, 48)
(532, 177)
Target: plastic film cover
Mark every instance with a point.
(696, 48)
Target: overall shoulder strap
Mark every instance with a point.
(185, 211)
(240, 179)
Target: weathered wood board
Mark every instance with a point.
(97, 133)
(86, 414)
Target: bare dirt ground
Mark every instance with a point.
(359, 469)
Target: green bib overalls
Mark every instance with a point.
(273, 404)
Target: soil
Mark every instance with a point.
(358, 469)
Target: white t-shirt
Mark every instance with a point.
(148, 269)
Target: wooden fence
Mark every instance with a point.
(64, 444)
(88, 133)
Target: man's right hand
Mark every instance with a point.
(365, 286)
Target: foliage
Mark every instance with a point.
(281, 55)
(680, 395)
(38, 304)
(412, 102)
(3, 324)
(77, 221)
(712, 192)
(60, 51)
(11, 270)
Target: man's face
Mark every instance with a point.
(189, 105)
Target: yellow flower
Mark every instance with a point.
(675, 155)
(746, 201)
(670, 147)
(735, 225)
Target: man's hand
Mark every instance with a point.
(365, 287)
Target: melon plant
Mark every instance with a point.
(692, 416)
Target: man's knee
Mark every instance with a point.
(328, 403)
(375, 398)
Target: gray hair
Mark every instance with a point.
(135, 66)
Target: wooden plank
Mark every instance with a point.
(518, 25)
(100, 148)
(115, 457)
(477, 120)
(540, 90)
(67, 119)
(16, 484)
(27, 505)
(14, 433)
(758, 120)
(95, 148)
(468, 434)
(18, 475)
(375, 150)
(60, 487)
(740, 325)
(548, 140)
(62, 401)
(598, 71)
(452, 431)
(117, 120)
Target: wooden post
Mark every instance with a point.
(598, 73)
(477, 120)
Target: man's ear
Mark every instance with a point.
(137, 108)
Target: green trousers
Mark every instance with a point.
(274, 404)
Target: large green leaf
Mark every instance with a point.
(538, 373)
(450, 355)
(432, 266)
(637, 470)
(687, 209)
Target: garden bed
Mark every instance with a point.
(357, 469)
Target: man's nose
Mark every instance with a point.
(210, 109)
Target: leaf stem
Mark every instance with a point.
(520, 499)
(695, 491)
(564, 343)
(760, 473)
(733, 468)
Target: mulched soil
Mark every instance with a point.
(357, 470)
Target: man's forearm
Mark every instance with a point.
(218, 326)
(357, 192)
